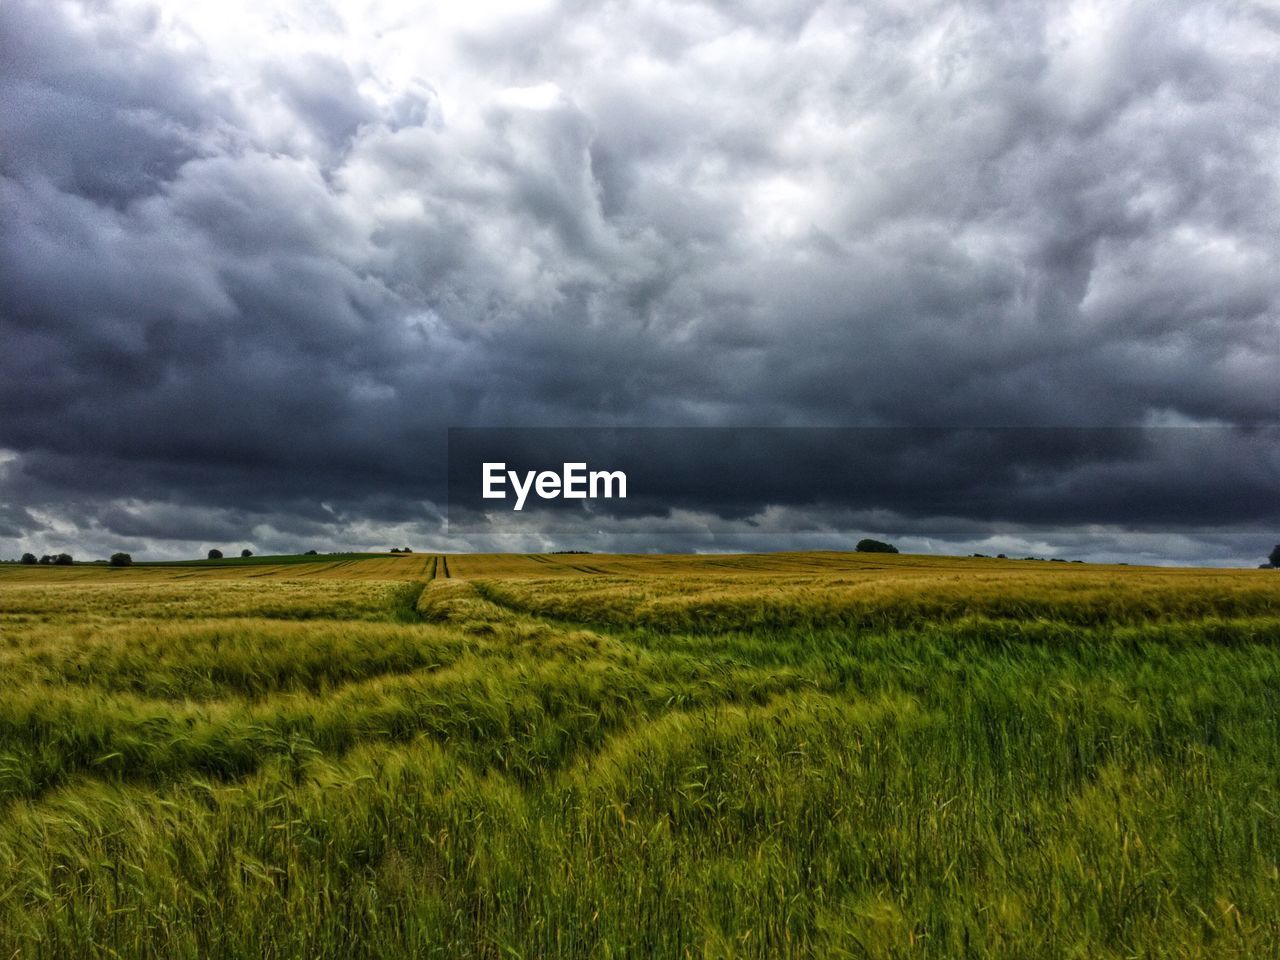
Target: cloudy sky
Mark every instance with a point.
(257, 257)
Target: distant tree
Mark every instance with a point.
(29, 559)
(45, 560)
(875, 546)
(121, 560)
(1275, 556)
(405, 550)
(63, 560)
(1001, 556)
(246, 552)
(215, 554)
(310, 553)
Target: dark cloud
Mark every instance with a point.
(254, 262)
(940, 479)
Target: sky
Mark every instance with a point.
(257, 257)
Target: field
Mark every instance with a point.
(785, 755)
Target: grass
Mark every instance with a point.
(609, 756)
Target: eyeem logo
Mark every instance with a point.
(572, 483)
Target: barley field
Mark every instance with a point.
(524, 756)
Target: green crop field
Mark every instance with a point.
(788, 755)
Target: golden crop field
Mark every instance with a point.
(781, 755)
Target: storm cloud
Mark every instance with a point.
(255, 259)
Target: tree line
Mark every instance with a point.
(864, 546)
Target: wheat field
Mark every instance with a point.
(781, 755)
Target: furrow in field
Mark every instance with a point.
(524, 718)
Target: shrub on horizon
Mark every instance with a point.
(868, 545)
(121, 560)
(246, 552)
(215, 554)
(29, 559)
